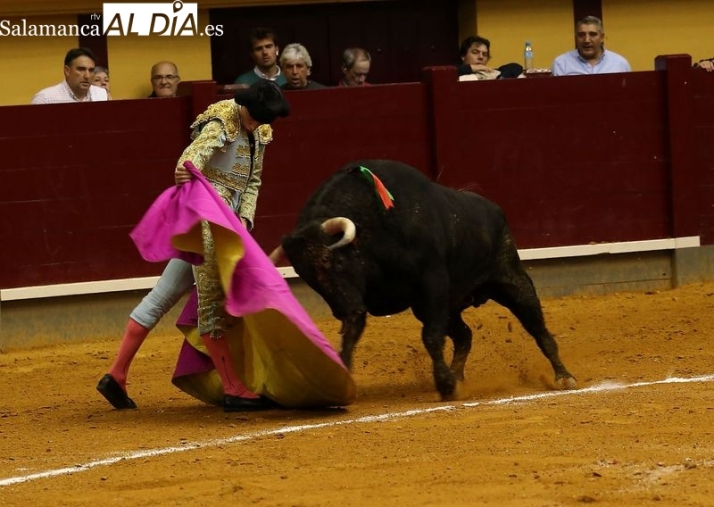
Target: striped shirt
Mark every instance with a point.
(62, 93)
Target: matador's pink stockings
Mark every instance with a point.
(134, 336)
(222, 360)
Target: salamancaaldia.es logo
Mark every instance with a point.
(167, 19)
(119, 19)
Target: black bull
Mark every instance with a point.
(438, 251)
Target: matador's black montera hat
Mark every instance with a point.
(264, 100)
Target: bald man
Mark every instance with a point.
(164, 80)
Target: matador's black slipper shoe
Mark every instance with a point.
(112, 391)
(238, 404)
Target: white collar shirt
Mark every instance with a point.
(263, 75)
(62, 93)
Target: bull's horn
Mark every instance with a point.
(277, 255)
(343, 225)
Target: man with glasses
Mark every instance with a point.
(355, 67)
(164, 80)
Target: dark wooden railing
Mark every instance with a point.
(572, 160)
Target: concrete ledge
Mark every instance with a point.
(602, 274)
(50, 321)
(649, 245)
(28, 323)
(97, 287)
(559, 252)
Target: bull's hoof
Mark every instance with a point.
(454, 395)
(446, 383)
(566, 383)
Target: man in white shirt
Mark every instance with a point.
(77, 86)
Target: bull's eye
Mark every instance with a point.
(325, 259)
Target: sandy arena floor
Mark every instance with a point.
(511, 442)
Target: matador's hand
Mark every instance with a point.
(181, 174)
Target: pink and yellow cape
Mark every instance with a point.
(277, 349)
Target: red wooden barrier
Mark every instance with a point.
(702, 152)
(572, 160)
(325, 130)
(75, 178)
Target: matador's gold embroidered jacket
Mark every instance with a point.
(221, 151)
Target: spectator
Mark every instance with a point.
(297, 66)
(229, 141)
(355, 67)
(164, 80)
(101, 79)
(590, 55)
(79, 64)
(264, 51)
(475, 53)
(707, 64)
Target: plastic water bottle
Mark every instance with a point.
(528, 57)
